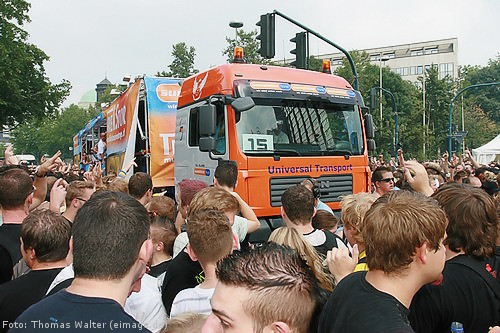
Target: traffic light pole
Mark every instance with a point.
(396, 116)
(349, 58)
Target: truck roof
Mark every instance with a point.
(219, 80)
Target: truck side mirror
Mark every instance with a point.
(369, 128)
(207, 144)
(242, 104)
(207, 120)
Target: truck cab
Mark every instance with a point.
(281, 126)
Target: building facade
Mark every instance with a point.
(411, 60)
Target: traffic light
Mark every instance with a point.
(300, 51)
(266, 36)
(373, 98)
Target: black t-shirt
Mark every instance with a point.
(66, 312)
(19, 294)
(355, 306)
(10, 251)
(157, 270)
(182, 273)
(462, 296)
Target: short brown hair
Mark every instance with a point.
(324, 220)
(472, 217)
(298, 204)
(396, 224)
(210, 235)
(15, 186)
(214, 198)
(163, 230)
(48, 234)
(227, 173)
(354, 208)
(118, 185)
(139, 184)
(76, 189)
(377, 173)
(163, 206)
(281, 284)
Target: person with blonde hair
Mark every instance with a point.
(188, 322)
(403, 233)
(292, 238)
(354, 208)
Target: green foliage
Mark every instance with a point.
(51, 133)
(183, 64)
(250, 44)
(315, 64)
(26, 91)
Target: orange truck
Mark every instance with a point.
(281, 125)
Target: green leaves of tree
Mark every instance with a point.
(183, 64)
(25, 90)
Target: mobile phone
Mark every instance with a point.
(401, 159)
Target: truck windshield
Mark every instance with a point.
(304, 127)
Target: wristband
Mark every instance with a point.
(122, 173)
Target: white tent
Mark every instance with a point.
(488, 152)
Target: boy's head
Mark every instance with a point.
(78, 192)
(110, 235)
(163, 233)
(269, 288)
(163, 206)
(215, 198)
(354, 208)
(140, 184)
(210, 236)
(399, 223)
(297, 205)
(47, 234)
(472, 217)
(226, 174)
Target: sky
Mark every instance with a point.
(87, 40)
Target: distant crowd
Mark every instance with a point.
(80, 250)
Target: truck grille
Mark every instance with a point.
(332, 187)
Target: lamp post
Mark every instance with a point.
(396, 118)
(381, 60)
(236, 25)
(460, 92)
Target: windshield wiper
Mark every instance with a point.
(281, 152)
(332, 152)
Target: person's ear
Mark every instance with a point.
(159, 246)
(283, 214)
(146, 251)
(191, 253)
(280, 327)
(216, 182)
(314, 212)
(235, 184)
(421, 253)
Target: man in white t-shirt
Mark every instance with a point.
(211, 239)
(101, 147)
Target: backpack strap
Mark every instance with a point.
(479, 267)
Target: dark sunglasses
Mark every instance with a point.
(387, 180)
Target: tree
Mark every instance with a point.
(183, 64)
(25, 91)
(51, 133)
(250, 44)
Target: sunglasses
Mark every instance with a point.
(387, 180)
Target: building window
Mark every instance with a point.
(445, 70)
(405, 71)
(416, 52)
(375, 57)
(389, 55)
(420, 70)
(413, 70)
(433, 50)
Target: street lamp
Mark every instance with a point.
(236, 25)
(381, 60)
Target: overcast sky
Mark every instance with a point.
(88, 39)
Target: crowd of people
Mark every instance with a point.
(80, 250)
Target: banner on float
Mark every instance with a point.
(120, 117)
(162, 96)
